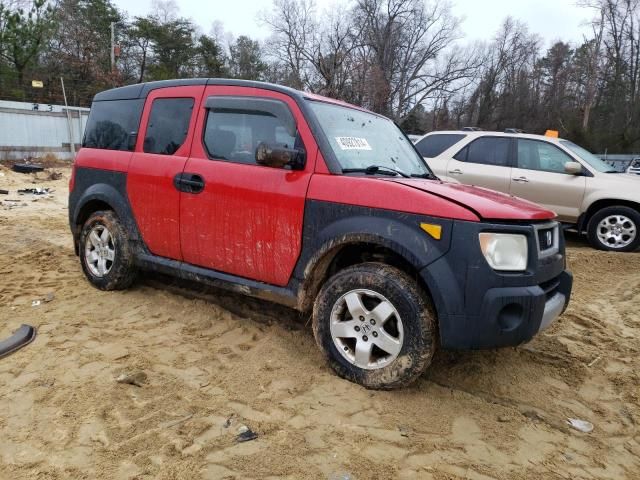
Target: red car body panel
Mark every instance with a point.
(154, 199)
(489, 204)
(248, 221)
(112, 160)
(376, 192)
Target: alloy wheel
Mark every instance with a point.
(366, 329)
(99, 251)
(616, 231)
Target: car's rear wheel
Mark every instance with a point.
(105, 252)
(615, 228)
(375, 326)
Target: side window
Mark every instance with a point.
(487, 151)
(538, 155)
(234, 129)
(434, 145)
(168, 125)
(111, 124)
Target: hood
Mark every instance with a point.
(629, 180)
(487, 204)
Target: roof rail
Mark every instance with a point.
(471, 129)
(513, 130)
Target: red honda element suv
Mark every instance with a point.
(318, 205)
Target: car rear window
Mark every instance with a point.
(434, 145)
(168, 125)
(111, 124)
(487, 151)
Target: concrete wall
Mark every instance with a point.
(35, 130)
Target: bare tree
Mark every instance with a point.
(410, 52)
(293, 27)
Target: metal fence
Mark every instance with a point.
(619, 162)
(32, 130)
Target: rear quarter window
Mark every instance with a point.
(168, 125)
(486, 151)
(111, 123)
(434, 145)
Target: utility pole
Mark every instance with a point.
(72, 145)
(113, 47)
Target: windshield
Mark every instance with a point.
(361, 139)
(590, 158)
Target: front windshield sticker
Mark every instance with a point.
(353, 143)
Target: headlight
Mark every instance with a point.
(504, 251)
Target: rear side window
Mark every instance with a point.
(434, 145)
(234, 134)
(487, 151)
(168, 125)
(111, 124)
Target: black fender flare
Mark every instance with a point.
(405, 239)
(109, 195)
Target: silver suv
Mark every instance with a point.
(585, 192)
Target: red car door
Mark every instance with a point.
(245, 219)
(162, 149)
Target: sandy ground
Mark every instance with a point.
(216, 361)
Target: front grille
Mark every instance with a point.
(546, 238)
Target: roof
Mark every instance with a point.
(487, 133)
(141, 90)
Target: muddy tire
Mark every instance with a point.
(375, 326)
(105, 252)
(615, 229)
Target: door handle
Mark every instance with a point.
(521, 180)
(189, 182)
(457, 171)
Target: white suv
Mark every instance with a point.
(584, 191)
(634, 166)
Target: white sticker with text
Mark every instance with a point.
(353, 143)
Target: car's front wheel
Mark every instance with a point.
(375, 326)
(105, 252)
(615, 229)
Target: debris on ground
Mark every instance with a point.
(593, 362)
(581, 425)
(173, 423)
(22, 337)
(27, 168)
(53, 175)
(36, 191)
(245, 434)
(137, 378)
(36, 303)
(49, 297)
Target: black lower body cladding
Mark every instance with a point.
(479, 307)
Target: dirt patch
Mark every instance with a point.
(214, 363)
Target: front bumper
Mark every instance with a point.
(478, 307)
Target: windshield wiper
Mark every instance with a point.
(373, 169)
(424, 175)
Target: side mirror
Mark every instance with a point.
(273, 155)
(573, 168)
